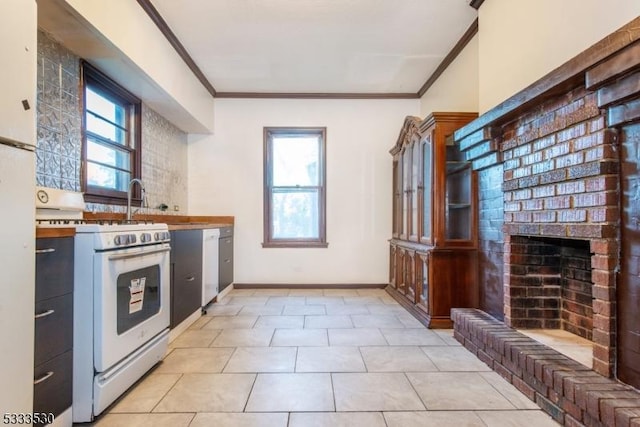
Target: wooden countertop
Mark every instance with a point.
(167, 219)
(175, 222)
(42, 232)
(198, 226)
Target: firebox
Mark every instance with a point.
(550, 284)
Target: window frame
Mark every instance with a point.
(101, 83)
(269, 241)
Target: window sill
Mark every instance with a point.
(295, 244)
(111, 200)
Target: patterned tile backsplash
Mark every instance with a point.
(59, 121)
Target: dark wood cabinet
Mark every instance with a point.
(53, 342)
(186, 274)
(225, 258)
(433, 249)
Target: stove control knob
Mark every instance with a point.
(120, 239)
(156, 236)
(166, 235)
(145, 237)
(132, 238)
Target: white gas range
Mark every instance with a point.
(121, 301)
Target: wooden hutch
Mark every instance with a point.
(433, 258)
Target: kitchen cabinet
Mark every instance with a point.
(18, 24)
(53, 355)
(186, 274)
(225, 265)
(433, 249)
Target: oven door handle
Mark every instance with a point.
(137, 254)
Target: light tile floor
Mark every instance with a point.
(319, 358)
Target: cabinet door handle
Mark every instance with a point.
(191, 278)
(45, 251)
(43, 378)
(45, 314)
(227, 260)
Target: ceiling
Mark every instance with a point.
(317, 46)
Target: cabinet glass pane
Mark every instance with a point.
(458, 201)
(397, 197)
(406, 179)
(400, 218)
(415, 170)
(426, 188)
(394, 228)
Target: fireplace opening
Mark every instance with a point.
(550, 285)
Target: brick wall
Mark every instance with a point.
(561, 171)
(576, 296)
(490, 240)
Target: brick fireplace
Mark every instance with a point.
(558, 168)
(559, 182)
(560, 191)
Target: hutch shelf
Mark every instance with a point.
(433, 249)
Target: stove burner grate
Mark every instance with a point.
(72, 222)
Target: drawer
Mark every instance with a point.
(54, 267)
(226, 248)
(53, 391)
(226, 231)
(53, 327)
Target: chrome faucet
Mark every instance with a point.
(129, 191)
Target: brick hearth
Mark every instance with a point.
(571, 393)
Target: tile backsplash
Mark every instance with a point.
(59, 118)
(59, 121)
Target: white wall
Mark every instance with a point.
(457, 88)
(521, 41)
(225, 178)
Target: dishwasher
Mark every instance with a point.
(210, 240)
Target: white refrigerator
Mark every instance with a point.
(18, 35)
(17, 273)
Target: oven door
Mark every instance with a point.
(131, 301)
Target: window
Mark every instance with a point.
(294, 187)
(111, 149)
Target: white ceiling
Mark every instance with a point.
(317, 46)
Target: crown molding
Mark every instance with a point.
(162, 25)
(316, 95)
(451, 56)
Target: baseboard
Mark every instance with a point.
(310, 286)
(224, 292)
